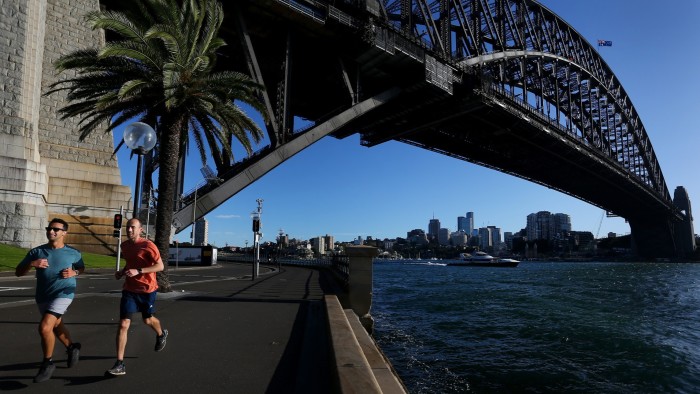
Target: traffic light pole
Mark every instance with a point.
(257, 225)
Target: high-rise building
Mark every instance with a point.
(462, 224)
(495, 236)
(539, 225)
(329, 241)
(201, 232)
(433, 228)
(545, 225)
(444, 236)
(470, 223)
(562, 224)
(485, 239)
(318, 245)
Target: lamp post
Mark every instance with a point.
(140, 138)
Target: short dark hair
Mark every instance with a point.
(63, 222)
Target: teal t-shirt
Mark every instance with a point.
(49, 283)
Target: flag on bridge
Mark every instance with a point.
(604, 43)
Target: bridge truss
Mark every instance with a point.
(537, 61)
(506, 84)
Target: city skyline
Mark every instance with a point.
(339, 187)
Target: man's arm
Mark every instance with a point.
(22, 269)
(157, 267)
(25, 265)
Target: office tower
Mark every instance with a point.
(433, 228)
(495, 236)
(201, 232)
(470, 223)
(444, 236)
(462, 223)
(485, 240)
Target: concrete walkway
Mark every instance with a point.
(227, 334)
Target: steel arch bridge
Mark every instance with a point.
(505, 84)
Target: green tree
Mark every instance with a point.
(158, 67)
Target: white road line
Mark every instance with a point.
(13, 288)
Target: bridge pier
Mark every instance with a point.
(684, 231)
(652, 236)
(658, 235)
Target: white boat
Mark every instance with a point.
(483, 259)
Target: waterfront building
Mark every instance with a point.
(561, 223)
(545, 225)
(539, 225)
(418, 239)
(201, 232)
(508, 240)
(459, 238)
(388, 244)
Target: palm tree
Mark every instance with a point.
(159, 69)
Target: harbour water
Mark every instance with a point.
(541, 327)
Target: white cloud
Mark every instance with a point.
(228, 216)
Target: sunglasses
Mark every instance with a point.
(54, 229)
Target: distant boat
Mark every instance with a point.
(483, 259)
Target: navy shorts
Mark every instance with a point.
(137, 302)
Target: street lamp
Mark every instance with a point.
(140, 138)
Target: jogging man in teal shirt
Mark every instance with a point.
(56, 265)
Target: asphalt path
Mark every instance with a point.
(228, 333)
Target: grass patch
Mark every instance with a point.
(10, 256)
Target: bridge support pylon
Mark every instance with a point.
(684, 231)
(662, 235)
(652, 236)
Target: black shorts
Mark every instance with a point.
(137, 302)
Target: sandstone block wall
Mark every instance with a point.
(45, 171)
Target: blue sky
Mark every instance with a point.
(340, 188)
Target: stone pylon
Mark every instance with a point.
(684, 231)
(45, 171)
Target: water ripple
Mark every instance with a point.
(541, 328)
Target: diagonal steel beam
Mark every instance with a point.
(277, 156)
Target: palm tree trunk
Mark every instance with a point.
(169, 153)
